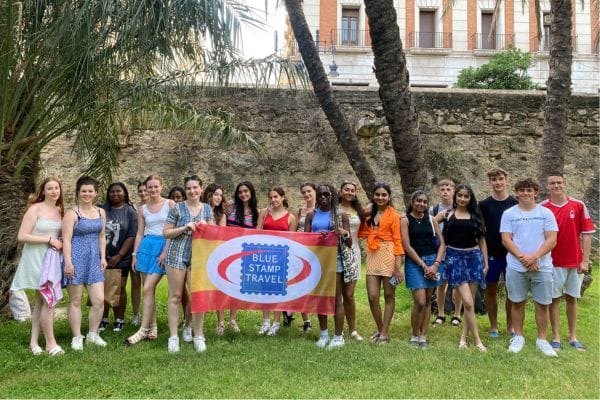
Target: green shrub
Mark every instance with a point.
(506, 70)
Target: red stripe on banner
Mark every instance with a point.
(212, 300)
(224, 233)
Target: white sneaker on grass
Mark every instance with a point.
(273, 330)
(323, 341)
(516, 344)
(77, 343)
(337, 341)
(187, 334)
(94, 338)
(264, 328)
(199, 344)
(545, 347)
(173, 344)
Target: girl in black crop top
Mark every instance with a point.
(466, 256)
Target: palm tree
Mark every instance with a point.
(393, 78)
(322, 88)
(94, 69)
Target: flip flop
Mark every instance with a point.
(36, 351)
(374, 337)
(57, 351)
(439, 320)
(455, 321)
(577, 345)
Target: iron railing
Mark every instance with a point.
(350, 37)
(498, 41)
(430, 40)
(546, 42)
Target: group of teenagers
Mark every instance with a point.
(541, 248)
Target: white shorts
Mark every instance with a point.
(566, 281)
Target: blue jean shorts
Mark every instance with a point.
(415, 278)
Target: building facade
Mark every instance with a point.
(442, 37)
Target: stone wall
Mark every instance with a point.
(465, 133)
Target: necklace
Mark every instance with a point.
(418, 219)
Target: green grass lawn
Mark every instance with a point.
(291, 366)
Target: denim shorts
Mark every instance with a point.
(415, 278)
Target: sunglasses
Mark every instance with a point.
(191, 178)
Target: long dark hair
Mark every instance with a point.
(355, 203)
(472, 208)
(219, 210)
(413, 197)
(126, 199)
(239, 205)
(387, 188)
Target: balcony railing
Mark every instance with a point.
(430, 40)
(546, 42)
(498, 41)
(350, 37)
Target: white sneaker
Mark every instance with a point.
(77, 343)
(545, 347)
(199, 344)
(264, 328)
(337, 341)
(273, 330)
(516, 344)
(323, 341)
(187, 334)
(94, 338)
(135, 320)
(173, 344)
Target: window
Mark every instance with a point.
(427, 29)
(546, 31)
(349, 27)
(488, 32)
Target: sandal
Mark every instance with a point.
(137, 337)
(462, 343)
(439, 320)
(234, 326)
(153, 332)
(57, 351)
(455, 321)
(481, 348)
(382, 339)
(37, 351)
(373, 338)
(354, 335)
(220, 330)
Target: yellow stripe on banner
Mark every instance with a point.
(202, 248)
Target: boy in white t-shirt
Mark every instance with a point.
(529, 234)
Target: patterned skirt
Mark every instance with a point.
(464, 266)
(382, 261)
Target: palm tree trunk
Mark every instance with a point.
(558, 92)
(392, 76)
(14, 192)
(322, 88)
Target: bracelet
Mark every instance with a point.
(133, 254)
(438, 261)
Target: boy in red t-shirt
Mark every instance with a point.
(570, 257)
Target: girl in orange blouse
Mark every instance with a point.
(385, 258)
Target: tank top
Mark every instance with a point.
(155, 222)
(420, 233)
(321, 221)
(460, 233)
(279, 224)
(232, 219)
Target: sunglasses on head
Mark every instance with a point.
(191, 178)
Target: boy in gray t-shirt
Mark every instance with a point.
(529, 234)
